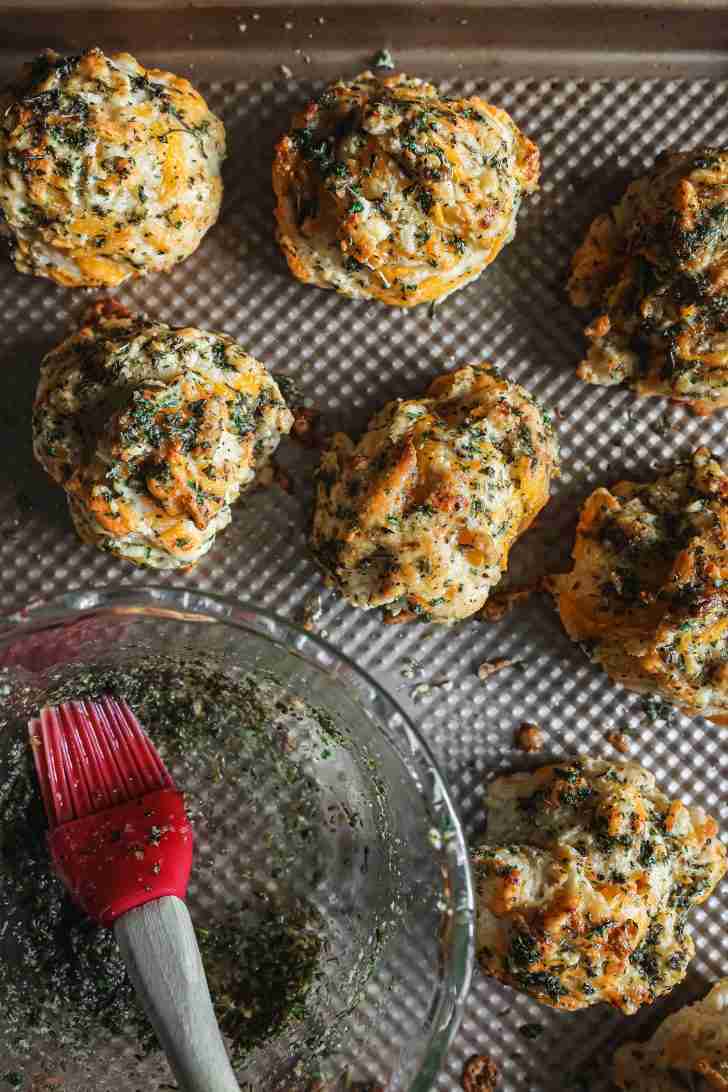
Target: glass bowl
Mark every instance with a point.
(319, 813)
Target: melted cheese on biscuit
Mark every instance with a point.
(386, 189)
(655, 269)
(648, 594)
(419, 516)
(108, 170)
(153, 432)
(585, 881)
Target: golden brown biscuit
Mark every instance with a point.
(691, 1041)
(387, 190)
(419, 516)
(585, 882)
(655, 270)
(648, 593)
(153, 431)
(108, 170)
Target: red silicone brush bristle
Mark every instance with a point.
(92, 755)
(119, 834)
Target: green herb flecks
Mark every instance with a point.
(383, 59)
(64, 982)
(280, 954)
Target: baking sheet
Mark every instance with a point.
(349, 357)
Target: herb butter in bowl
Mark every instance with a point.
(330, 889)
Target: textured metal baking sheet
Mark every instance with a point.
(444, 37)
(349, 357)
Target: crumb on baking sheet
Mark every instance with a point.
(307, 427)
(410, 668)
(501, 603)
(424, 689)
(655, 709)
(620, 741)
(480, 1074)
(665, 423)
(491, 667)
(529, 738)
(282, 479)
(311, 611)
(383, 59)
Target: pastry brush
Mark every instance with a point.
(121, 842)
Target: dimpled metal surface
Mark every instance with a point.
(349, 358)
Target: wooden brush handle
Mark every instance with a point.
(159, 946)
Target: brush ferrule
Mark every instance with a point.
(125, 856)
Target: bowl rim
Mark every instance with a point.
(180, 603)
